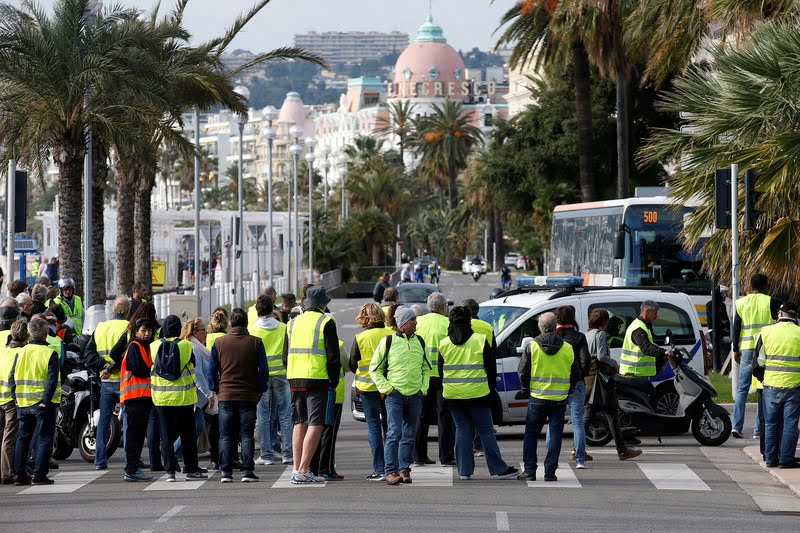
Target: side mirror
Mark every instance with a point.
(525, 342)
(619, 244)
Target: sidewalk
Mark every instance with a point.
(788, 477)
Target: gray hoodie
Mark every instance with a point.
(550, 343)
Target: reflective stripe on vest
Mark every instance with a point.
(131, 386)
(106, 336)
(754, 310)
(307, 357)
(633, 360)
(30, 375)
(7, 358)
(550, 373)
(367, 342)
(273, 340)
(463, 374)
(432, 327)
(782, 350)
(182, 391)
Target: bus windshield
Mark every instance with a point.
(656, 255)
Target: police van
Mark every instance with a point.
(514, 316)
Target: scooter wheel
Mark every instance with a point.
(598, 434)
(708, 434)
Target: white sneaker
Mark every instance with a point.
(265, 461)
(464, 478)
(580, 465)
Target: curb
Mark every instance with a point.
(794, 484)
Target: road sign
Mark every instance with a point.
(257, 230)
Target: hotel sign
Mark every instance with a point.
(440, 89)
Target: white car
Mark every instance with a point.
(466, 264)
(514, 318)
(511, 259)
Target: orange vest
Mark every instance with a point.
(130, 386)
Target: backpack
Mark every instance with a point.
(168, 360)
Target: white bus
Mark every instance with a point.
(634, 242)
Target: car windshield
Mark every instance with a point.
(500, 316)
(414, 293)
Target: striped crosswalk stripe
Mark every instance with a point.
(66, 482)
(566, 478)
(180, 484)
(672, 476)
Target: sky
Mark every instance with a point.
(466, 23)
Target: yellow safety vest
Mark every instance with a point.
(105, 337)
(385, 310)
(432, 327)
(307, 357)
(182, 391)
(484, 328)
(633, 360)
(273, 340)
(252, 315)
(30, 375)
(340, 386)
(463, 375)
(782, 350)
(367, 341)
(211, 337)
(550, 373)
(75, 312)
(755, 313)
(7, 358)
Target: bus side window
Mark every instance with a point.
(529, 328)
(621, 316)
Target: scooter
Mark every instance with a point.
(475, 270)
(710, 423)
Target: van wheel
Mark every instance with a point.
(597, 433)
(666, 400)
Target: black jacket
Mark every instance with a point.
(577, 340)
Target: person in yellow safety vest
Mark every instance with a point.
(35, 386)
(372, 318)
(312, 365)
(324, 462)
(640, 356)
(8, 410)
(548, 371)
(753, 312)
(778, 349)
(174, 400)
(70, 303)
(469, 375)
(97, 357)
(432, 327)
(252, 312)
(277, 401)
(401, 371)
(390, 297)
(483, 327)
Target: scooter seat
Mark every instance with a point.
(636, 383)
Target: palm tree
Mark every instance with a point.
(46, 64)
(445, 139)
(399, 123)
(364, 152)
(744, 112)
(373, 228)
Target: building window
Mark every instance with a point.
(433, 73)
(407, 74)
(488, 120)
(458, 74)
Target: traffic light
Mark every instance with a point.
(722, 198)
(750, 197)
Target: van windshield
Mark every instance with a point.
(500, 316)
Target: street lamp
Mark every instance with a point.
(196, 118)
(241, 120)
(295, 133)
(310, 143)
(343, 160)
(326, 164)
(270, 114)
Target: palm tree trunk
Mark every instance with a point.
(142, 221)
(69, 156)
(623, 132)
(498, 235)
(99, 177)
(452, 188)
(583, 108)
(125, 180)
(490, 229)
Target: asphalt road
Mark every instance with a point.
(674, 486)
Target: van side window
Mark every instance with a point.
(621, 316)
(670, 317)
(529, 328)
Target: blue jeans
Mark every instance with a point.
(199, 424)
(28, 419)
(538, 413)
(471, 420)
(109, 398)
(398, 449)
(371, 402)
(236, 417)
(745, 379)
(576, 401)
(154, 440)
(276, 401)
(781, 406)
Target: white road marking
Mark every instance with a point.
(502, 521)
(645, 451)
(172, 512)
(566, 478)
(285, 481)
(66, 482)
(180, 484)
(431, 476)
(672, 476)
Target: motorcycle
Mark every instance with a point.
(79, 413)
(710, 423)
(475, 270)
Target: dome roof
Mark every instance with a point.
(429, 58)
(292, 110)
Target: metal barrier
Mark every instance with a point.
(331, 279)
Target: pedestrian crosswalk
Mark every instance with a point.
(651, 475)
